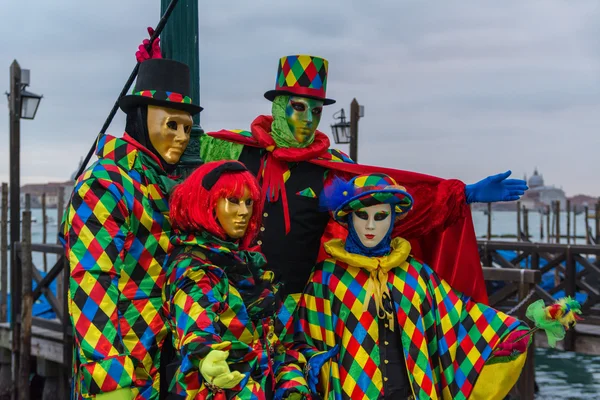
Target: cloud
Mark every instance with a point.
(458, 90)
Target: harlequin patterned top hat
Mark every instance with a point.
(301, 75)
(161, 82)
(345, 197)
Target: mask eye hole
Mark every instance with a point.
(233, 200)
(380, 216)
(298, 106)
(362, 215)
(172, 125)
(188, 129)
(317, 110)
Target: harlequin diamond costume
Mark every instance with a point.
(402, 331)
(116, 234)
(293, 162)
(220, 301)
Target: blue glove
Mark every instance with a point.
(496, 188)
(314, 367)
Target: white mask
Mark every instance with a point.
(372, 224)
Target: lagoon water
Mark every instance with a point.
(559, 375)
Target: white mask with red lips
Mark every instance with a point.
(372, 224)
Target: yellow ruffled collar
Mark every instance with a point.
(400, 252)
(378, 267)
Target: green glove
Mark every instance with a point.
(121, 394)
(216, 372)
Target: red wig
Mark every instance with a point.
(192, 207)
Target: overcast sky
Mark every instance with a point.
(454, 89)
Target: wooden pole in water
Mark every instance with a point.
(4, 255)
(597, 219)
(541, 225)
(557, 221)
(27, 202)
(26, 308)
(557, 236)
(44, 229)
(489, 217)
(575, 224)
(60, 286)
(553, 228)
(518, 221)
(526, 222)
(586, 211)
(548, 224)
(568, 210)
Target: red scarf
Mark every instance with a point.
(277, 159)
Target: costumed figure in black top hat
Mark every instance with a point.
(116, 235)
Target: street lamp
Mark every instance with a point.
(21, 105)
(345, 132)
(29, 104)
(341, 130)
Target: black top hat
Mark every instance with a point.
(161, 82)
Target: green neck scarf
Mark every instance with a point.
(280, 130)
(157, 174)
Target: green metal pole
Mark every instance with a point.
(179, 41)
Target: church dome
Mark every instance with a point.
(536, 180)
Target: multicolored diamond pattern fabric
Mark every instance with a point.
(336, 156)
(163, 95)
(446, 337)
(303, 71)
(373, 189)
(116, 235)
(308, 192)
(208, 310)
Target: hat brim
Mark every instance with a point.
(400, 199)
(271, 94)
(127, 103)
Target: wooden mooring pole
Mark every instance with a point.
(489, 220)
(575, 223)
(557, 205)
(518, 221)
(568, 209)
(597, 220)
(26, 308)
(570, 289)
(586, 211)
(526, 222)
(541, 226)
(6, 381)
(557, 239)
(548, 231)
(44, 230)
(60, 282)
(4, 255)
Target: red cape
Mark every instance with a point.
(439, 226)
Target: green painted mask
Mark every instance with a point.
(303, 116)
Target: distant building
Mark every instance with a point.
(36, 190)
(539, 196)
(51, 189)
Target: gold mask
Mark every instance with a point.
(169, 131)
(234, 214)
